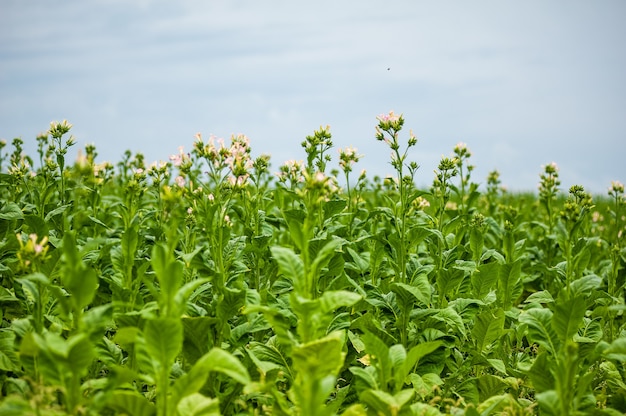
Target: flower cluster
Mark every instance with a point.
(548, 186)
(292, 171)
(577, 205)
(235, 158)
(315, 147)
(347, 157)
(616, 189)
(31, 250)
(390, 123)
(239, 161)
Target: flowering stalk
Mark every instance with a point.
(616, 192)
(548, 190)
(388, 131)
(57, 131)
(347, 157)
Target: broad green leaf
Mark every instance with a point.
(216, 360)
(543, 296)
(290, 266)
(497, 364)
(80, 354)
(196, 331)
(490, 385)
(488, 327)
(411, 293)
(320, 358)
(541, 372)
(484, 279)
(169, 272)
(568, 317)
(131, 403)
(453, 320)
(163, 340)
(616, 350)
(509, 283)
(334, 299)
(7, 296)
(9, 360)
(540, 328)
(549, 403)
(360, 261)
(79, 280)
(198, 405)
(385, 403)
(324, 255)
(476, 242)
(11, 212)
(295, 222)
(499, 403)
(425, 384)
(378, 352)
(365, 378)
(397, 358)
(424, 409)
(584, 286)
(416, 353)
(333, 207)
(61, 209)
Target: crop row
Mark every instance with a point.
(207, 285)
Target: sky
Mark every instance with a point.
(522, 83)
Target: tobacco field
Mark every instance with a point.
(216, 283)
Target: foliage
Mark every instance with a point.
(205, 285)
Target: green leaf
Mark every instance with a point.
(324, 255)
(497, 364)
(169, 273)
(216, 360)
(490, 385)
(425, 384)
(131, 403)
(540, 328)
(198, 405)
(418, 352)
(543, 296)
(365, 377)
(384, 403)
(476, 242)
(79, 280)
(334, 299)
(379, 357)
(484, 279)
(320, 358)
(333, 207)
(488, 327)
(568, 317)
(80, 354)
(616, 350)
(196, 332)
(163, 340)
(57, 211)
(11, 212)
(411, 294)
(453, 320)
(509, 283)
(584, 286)
(291, 266)
(9, 360)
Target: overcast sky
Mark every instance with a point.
(523, 83)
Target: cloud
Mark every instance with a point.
(522, 84)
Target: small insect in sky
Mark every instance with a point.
(388, 69)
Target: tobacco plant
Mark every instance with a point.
(203, 285)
